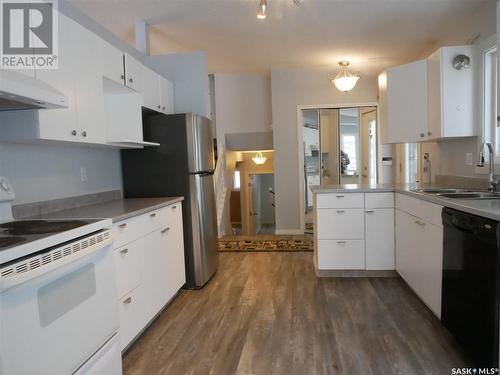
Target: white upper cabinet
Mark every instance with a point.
(407, 103)
(112, 62)
(450, 94)
(428, 100)
(166, 95)
(106, 90)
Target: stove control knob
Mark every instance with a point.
(4, 186)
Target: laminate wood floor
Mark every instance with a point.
(267, 313)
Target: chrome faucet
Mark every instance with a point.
(492, 181)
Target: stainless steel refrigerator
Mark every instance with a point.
(183, 165)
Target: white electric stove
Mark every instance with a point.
(58, 312)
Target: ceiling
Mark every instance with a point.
(372, 34)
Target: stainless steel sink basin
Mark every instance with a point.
(436, 191)
(471, 195)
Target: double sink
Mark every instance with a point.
(459, 193)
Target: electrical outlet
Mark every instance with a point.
(83, 174)
(468, 158)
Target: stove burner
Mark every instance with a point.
(27, 227)
(10, 241)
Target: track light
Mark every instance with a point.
(261, 10)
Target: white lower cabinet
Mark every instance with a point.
(355, 231)
(149, 267)
(419, 257)
(379, 238)
(341, 254)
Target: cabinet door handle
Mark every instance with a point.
(153, 214)
(339, 196)
(341, 242)
(122, 76)
(163, 107)
(159, 107)
(369, 211)
(131, 80)
(419, 222)
(84, 134)
(340, 211)
(124, 251)
(127, 300)
(122, 225)
(174, 207)
(165, 230)
(422, 135)
(74, 132)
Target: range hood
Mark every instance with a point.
(19, 91)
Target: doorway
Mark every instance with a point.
(339, 146)
(261, 204)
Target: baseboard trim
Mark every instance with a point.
(356, 273)
(288, 231)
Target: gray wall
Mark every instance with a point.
(290, 89)
(44, 172)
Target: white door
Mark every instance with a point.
(61, 123)
(89, 89)
(134, 73)
(151, 90)
(65, 314)
(166, 95)
(112, 64)
(407, 102)
(379, 237)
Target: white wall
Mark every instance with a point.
(45, 172)
(189, 74)
(290, 89)
(242, 104)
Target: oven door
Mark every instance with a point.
(52, 323)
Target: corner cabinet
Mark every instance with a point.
(428, 100)
(149, 265)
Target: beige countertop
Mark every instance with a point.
(489, 208)
(117, 210)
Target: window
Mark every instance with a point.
(491, 129)
(236, 180)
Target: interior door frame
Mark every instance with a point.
(245, 218)
(300, 146)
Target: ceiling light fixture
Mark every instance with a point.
(259, 159)
(261, 10)
(345, 80)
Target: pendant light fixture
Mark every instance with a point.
(259, 159)
(261, 10)
(345, 80)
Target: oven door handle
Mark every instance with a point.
(9, 282)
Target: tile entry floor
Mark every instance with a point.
(267, 313)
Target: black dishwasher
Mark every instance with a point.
(470, 284)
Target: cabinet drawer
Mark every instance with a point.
(127, 261)
(379, 200)
(131, 229)
(170, 215)
(132, 320)
(341, 200)
(341, 224)
(341, 255)
(424, 210)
